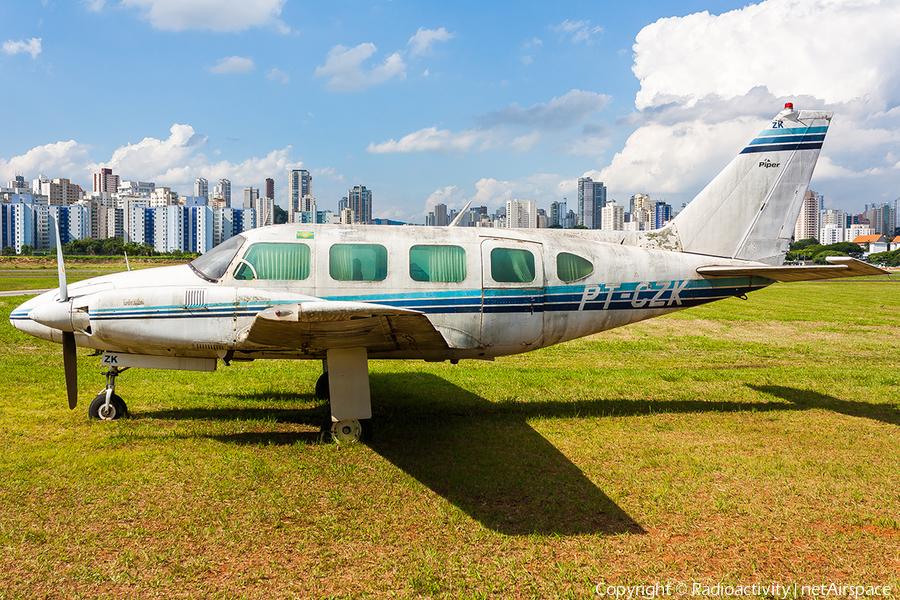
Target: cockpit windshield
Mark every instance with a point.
(212, 265)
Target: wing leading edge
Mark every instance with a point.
(326, 325)
(841, 266)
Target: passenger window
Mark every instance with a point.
(509, 265)
(358, 262)
(571, 267)
(446, 264)
(278, 261)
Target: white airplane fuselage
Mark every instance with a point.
(346, 294)
(174, 311)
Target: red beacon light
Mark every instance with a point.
(789, 106)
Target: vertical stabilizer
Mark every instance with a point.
(749, 210)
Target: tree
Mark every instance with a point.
(9, 251)
(27, 250)
(281, 215)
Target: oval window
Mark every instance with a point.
(571, 267)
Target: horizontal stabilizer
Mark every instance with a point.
(841, 266)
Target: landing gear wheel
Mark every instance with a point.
(322, 392)
(115, 410)
(347, 432)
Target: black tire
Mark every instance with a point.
(117, 409)
(322, 392)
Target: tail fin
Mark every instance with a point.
(749, 210)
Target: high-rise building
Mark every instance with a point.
(613, 216)
(662, 214)
(299, 185)
(591, 200)
(223, 191)
(558, 212)
(270, 188)
(61, 192)
(521, 213)
(807, 226)
(105, 181)
(440, 215)
(251, 194)
(201, 187)
(359, 200)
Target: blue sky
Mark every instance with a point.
(445, 102)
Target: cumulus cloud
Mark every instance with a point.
(344, 68)
(172, 162)
(423, 41)
(62, 159)
(788, 46)
(560, 113)
(709, 83)
(276, 74)
(32, 47)
(496, 128)
(215, 15)
(432, 139)
(580, 31)
(233, 64)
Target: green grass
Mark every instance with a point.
(741, 442)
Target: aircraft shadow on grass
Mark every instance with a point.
(485, 458)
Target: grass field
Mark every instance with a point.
(745, 442)
(35, 273)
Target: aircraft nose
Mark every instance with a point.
(60, 315)
(20, 318)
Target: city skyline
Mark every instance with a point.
(436, 104)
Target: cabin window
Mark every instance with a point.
(446, 264)
(512, 265)
(571, 267)
(212, 265)
(279, 261)
(358, 262)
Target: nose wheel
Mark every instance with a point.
(107, 405)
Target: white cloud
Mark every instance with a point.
(95, 5)
(32, 47)
(557, 115)
(526, 142)
(233, 64)
(566, 111)
(432, 139)
(344, 67)
(215, 15)
(62, 159)
(276, 74)
(423, 41)
(710, 82)
(581, 31)
(788, 46)
(660, 158)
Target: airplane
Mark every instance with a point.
(349, 294)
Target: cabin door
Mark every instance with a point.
(513, 295)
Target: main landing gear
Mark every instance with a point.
(107, 405)
(345, 383)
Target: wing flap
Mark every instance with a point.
(324, 325)
(841, 266)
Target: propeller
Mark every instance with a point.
(70, 358)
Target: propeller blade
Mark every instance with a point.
(61, 267)
(70, 363)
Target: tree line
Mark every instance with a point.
(106, 247)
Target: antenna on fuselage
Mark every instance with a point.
(459, 216)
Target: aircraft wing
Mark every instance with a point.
(327, 325)
(841, 266)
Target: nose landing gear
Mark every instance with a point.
(107, 405)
